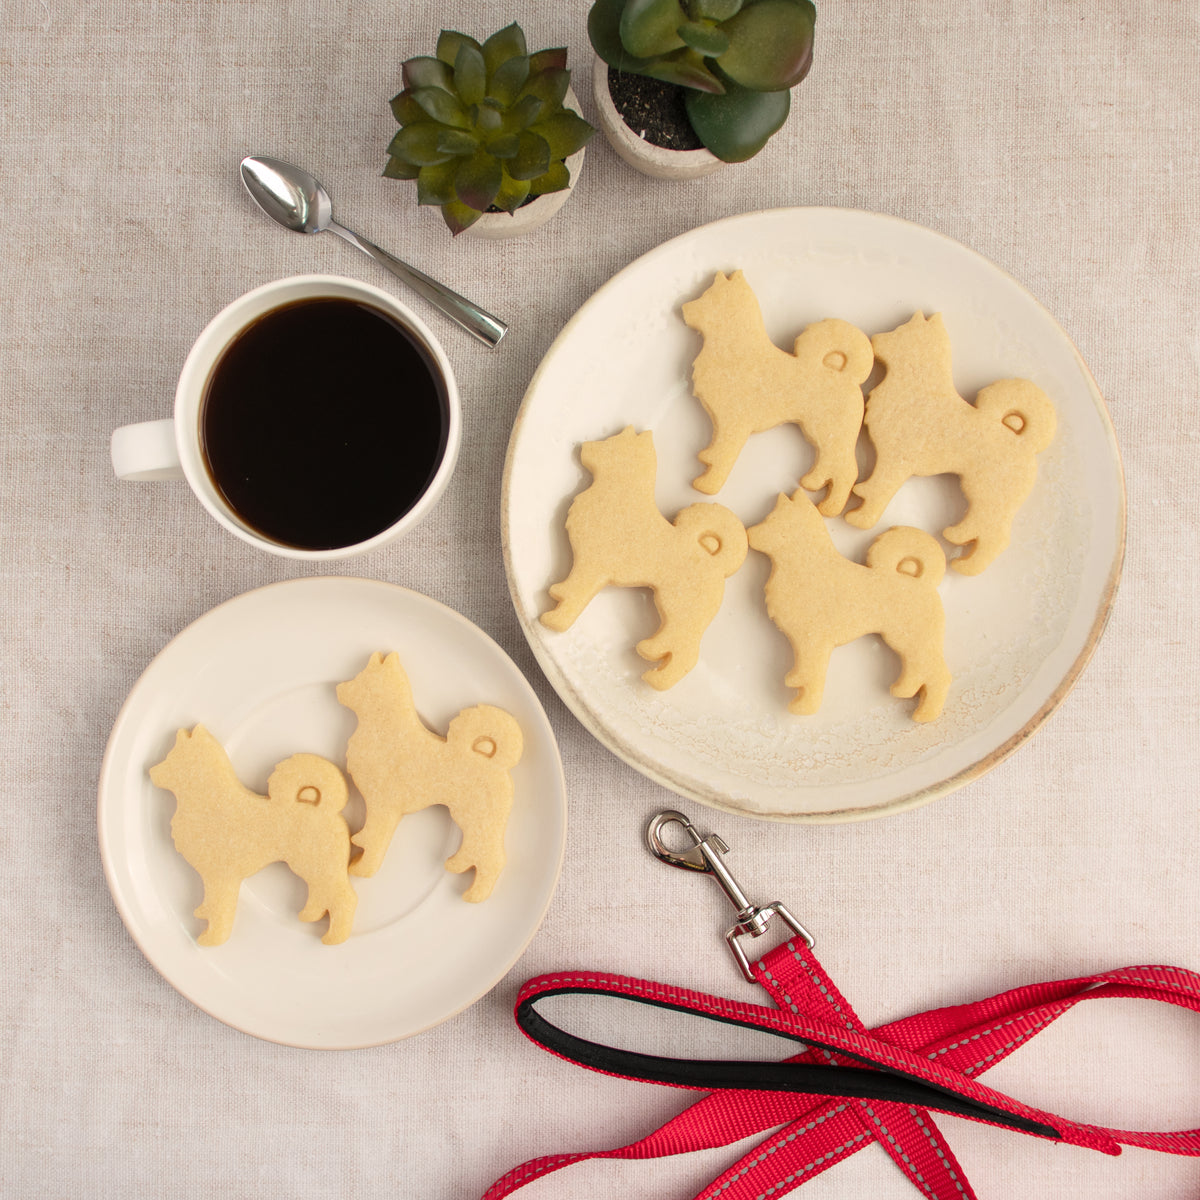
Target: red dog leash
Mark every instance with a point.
(850, 1086)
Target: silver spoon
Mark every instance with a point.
(294, 198)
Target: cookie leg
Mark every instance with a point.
(982, 545)
(838, 477)
(876, 493)
(807, 676)
(342, 903)
(673, 661)
(930, 688)
(573, 594)
(218, 907)
(923, 672)
(487, 859)
(321, 898)
(719, 456)
(374, 838)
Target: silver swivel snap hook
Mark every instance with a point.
(705, 855)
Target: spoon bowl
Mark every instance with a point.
(288, 194)
(295, 199)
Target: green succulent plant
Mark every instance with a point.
(483, 125)
(738, 60)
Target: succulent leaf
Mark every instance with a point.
(443, 107)
(512, 194)
(554, 180)
(435, 184)
(604, 32)
(686, 69)
(713, 10)
(427, 72)
(459, 216)
(704, 38)
(735, 126)
(503, 145)
(565, 132)
(470, 74)
(650, 27)
(486, 119)
(507, 80)
(449, 41)
(532, 157)
(397, 168)
(543, 60)
(504, 44)
(770, 44)
(405, 109)
(549, 86)
(523, 113)
(456, 142)
(419, 145)
(478, 179)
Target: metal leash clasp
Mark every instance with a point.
(705, 855)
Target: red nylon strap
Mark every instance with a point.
(946, 1047)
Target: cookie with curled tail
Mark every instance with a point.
(227, 832)
(400, 766)
(820, 600)
(748, 385)
(920, 425)
(620, 538)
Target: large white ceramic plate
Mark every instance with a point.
(259, 671)
(1017, 635)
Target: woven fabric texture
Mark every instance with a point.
(1055, 137)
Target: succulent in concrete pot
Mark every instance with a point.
(737, 60)
(484, 126)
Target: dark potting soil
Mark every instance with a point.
(654, 110)
(493, 209)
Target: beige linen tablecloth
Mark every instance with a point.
(1056, 138)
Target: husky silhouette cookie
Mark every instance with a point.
(618, 537)
(748, 385)
(227, 833)
(400, 766)
(919, 425)
(820, 600)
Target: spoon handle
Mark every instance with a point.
(471, 317)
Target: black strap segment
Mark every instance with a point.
(859, 1083)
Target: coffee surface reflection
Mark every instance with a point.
(323, 422)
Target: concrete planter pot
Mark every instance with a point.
(648, 158)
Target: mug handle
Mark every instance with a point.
(146, 451)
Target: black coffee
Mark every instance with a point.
(323, 423)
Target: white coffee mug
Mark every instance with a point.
(171, 449)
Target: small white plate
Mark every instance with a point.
(259, 671)
(1017, 636)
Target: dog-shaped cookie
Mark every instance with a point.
(820, 600)
(748, 385)
(920, 425)
(619, 537)
(227, 833)
(400, 766)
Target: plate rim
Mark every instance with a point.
(920, 796)
(117, 895)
